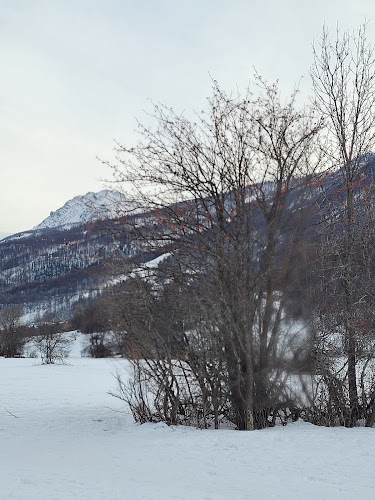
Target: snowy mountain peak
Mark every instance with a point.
(86, 208)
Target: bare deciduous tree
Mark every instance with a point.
(52, 344)
(224, 198)
(11, 338)
(343, 76)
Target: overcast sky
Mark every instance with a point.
(76, 74)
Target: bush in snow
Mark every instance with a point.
(52, 345)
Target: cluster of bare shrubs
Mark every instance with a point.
(96, 322)
(51, 341)
(46, 337)
(219, 219)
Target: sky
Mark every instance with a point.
(76, 75)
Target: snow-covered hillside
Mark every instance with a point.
(85, 208)
(64, 438)
(59, 263)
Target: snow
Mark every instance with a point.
(144, 271)
(155, 262)
(19, 236)
(63, 437)
(85, 208)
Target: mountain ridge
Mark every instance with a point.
(63, 260)
(60, 262)
(82, 209)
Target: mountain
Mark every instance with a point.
(63, 260)
(60, 262)
(86, 208)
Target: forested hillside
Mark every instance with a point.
(61, 263)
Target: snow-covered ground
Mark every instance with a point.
(63, 437)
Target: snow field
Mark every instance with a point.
(62, 437)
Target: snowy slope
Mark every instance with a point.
(85, 208)
(64, 438)
(54, 266)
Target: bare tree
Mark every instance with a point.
(11, 338)
(52, 344)
(224, 198)
(343, 76)
(95, 322)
